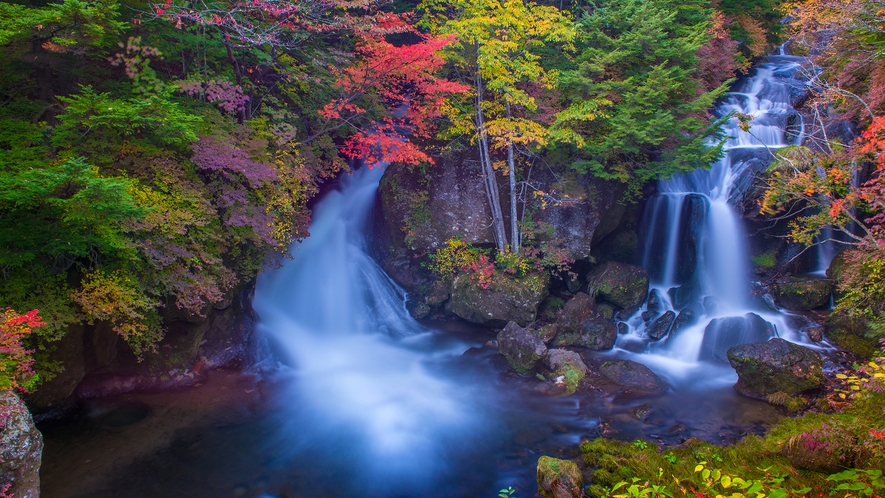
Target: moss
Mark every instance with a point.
(862, 346)
(572, 375)
(765, 260)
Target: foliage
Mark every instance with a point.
(642, 57)
(765, 260)
(15, 360)
(861, 482)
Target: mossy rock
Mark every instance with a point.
(559, 478)
(567, 366)
(632, 375)
(581, 324)
(21, 448)
(522, 348)
(802, 294)
(775, 366)
(619, 283)
(507, 299)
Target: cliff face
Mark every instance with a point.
(21, 449)
(421, 208)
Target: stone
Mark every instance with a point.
(661, 326)
(507, 299)
(418, 310)
(654, 303)
(724, 333)
(559, 478)
(522, 348)
(630, 374)
(684, 319)
(619, 283)
(580, 324)
(837, 266)
(765, 368)
(567, 366)
(21, 448)
(802, 294)
(547, 332)
(814, 332)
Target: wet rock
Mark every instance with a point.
(648, 316)
(685, 318)
(627, 373)
(579, 324)
(683, 295)
(506, 299)
(775, 366)
(661, 326)
(607, 311)
(802, 294)
(654, 303)
(419, 310)
(724, 333)
(559, 478)
(567, 366)
(642, 411)
(814, 332)
(21, 448)
(623, 328)
(619, 283)
(522, 348)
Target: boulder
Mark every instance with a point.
(547, 332)
(775, 366)
(580, 324)
(507, 299)
(655, 303)
(21, 449)
(633, 375)
(661, 326)
(724, 333)
(522, 348)
(684, 319)
(802, 294)
(837, 266)
(620, 284)
(567, 367)
(559, 478)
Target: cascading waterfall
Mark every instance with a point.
(696, 251)
(364, 392)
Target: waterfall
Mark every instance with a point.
(696, 250)
(365, 392)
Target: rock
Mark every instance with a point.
(683, 295)
(69, 353)
(621, 246)
(627, 373)
(661, 326)
(802, 294)
(559, 478)
(837, 266)
(642, 412)
(522, 348)
(438, 293)
(814, 332)
(654, 303)
(419, 310)
(579, 324)
(844, 323)
(623, 328)
(567, 366)
(619, 283)
(507, 299)
(547, 332)
(21, 449)
(685, 318)
(606, 310)
(775, 366)
(648, 316)
(724, 333)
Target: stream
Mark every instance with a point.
(353, 397)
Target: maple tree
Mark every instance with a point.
(16, 363)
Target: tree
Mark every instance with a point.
(15, 361)
(642, 56)
(497, 46)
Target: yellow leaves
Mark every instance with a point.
(504, 132)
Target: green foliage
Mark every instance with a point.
(766, 260)
(507, 492)
(641, 56)
(866, 483)
(456, 256)
(70, 25)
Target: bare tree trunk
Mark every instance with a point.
(514, 222)
(489, 172)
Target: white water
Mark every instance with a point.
(361, 367)
(696, 249)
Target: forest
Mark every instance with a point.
(156, 157)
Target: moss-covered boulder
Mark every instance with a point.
(567, 368)
(522, 348)
(837, 266)
(21, 449)
(581, 324)
(775, 366)
(620, 284)
(559, 478)
(802, 294)
(507, 299)
(632, 375)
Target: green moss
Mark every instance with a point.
(765, 260)
(572, 376)
(862, 346)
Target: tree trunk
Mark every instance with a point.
(489, 172)
(511, 165)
